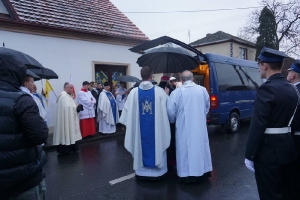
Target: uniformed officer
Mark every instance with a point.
(270, 147)
(294, 78)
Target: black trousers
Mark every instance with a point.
(296, 179)
(273, 181)
(65, 149)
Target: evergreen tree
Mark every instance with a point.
(267, 31)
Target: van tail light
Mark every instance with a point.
(213, 102)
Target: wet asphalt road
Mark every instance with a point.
(86, 175)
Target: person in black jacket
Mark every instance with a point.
(294, 78)
(22, 131)
(270, 147)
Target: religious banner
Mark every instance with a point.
(51, 104)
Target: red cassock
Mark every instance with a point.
(87, 115)
(87, 127)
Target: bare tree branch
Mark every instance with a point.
(287, 16)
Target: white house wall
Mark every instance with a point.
(221, 48)
(70, 57)
(224, 49)
(250, 51)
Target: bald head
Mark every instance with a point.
(186, 76)
(68, 88)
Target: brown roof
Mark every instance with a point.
(219, 37)
(94, 16)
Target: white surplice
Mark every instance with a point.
(131, 119)
(42, 110)
(120, 102)
(88, 102)
(105, 117)
(188, 106)
(66, 129)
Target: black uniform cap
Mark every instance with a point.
(271, 55)
(295, 66)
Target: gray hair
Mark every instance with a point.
(66, 84)
(186, 76)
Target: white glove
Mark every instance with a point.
(249, 164)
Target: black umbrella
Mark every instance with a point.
(127, 79)
(23, 58)
(35, 77)
(45, 73)
(168, 59)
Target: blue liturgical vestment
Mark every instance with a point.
(112, 103)
(147, 125)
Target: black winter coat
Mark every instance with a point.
(22, 131)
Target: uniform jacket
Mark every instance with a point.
(275, 103)
(296, 127)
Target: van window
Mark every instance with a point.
(254, 78)
(199, 79)
(231, 77)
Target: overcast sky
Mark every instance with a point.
(176, 25)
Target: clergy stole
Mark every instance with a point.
(147, 125)
(112, 104)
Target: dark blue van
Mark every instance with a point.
(230, 82)
(232, 85)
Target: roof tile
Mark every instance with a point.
(95, 16)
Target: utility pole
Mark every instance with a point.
(189, 36)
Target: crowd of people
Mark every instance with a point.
(147, 115)
(100, 109)
(165, 126)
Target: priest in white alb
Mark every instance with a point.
(108, 115)
(188, 106)
(147, 128)
(66, 129)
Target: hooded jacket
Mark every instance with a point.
(22, 131)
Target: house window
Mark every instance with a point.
(243, 53)
(108, 73)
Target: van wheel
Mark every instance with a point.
(233, 123)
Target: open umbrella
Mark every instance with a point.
(127, 79)
(23, 58)
(35, 77)
(45, 73)
(168, 58)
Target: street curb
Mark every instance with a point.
(93, 139)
